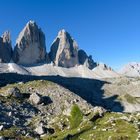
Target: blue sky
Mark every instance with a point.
(109, 30)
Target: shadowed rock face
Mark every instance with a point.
(64, 50)
(30, 45)
(5, 48)
(86, 60)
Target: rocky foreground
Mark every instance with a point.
(62, 108)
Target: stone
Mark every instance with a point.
(1, 127)
(10, 114)
(40, 129)
(64, 50)
(14, 92)
(35, 98)
(100, 110)
(86, 60)
(30, 45)
(5, 47)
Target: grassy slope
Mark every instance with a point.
(84, 129)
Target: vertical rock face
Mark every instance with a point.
(86, 60)
(64, 50)
(30, 45)
(5, 48)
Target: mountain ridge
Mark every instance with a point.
(30, 50)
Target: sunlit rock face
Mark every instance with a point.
(86, 60)
(30, 45)
(64, 50)
(5, 47)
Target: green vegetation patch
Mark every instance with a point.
(13, 133)
(75, 117)
(130, 99)
(110, 126)
(25, 86)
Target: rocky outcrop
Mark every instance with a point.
(64, 50)
(86, 60)
(131, 69)
(5, 48)
(104, 67)
(30, 45)
(104, 71)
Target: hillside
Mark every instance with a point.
(54, 107)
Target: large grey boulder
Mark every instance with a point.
(64, 50)
(30, 45)
(86, 60)
(5, 48)
(36, 98)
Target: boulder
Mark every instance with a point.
(40, 130)
(86, 60)
(1, 127)
(64, 50)
(30, 46)
(13, 92)
(5, 47)
(35, 98)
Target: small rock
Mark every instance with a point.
(10, 114)
(101, 110)
(40, 130)
(1, 127)
(104, 129)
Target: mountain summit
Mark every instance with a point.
(64, 50)
(5, 47)
(30, 45)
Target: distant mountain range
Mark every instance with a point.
(29, 56)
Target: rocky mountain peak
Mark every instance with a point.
(30, 45)
(31, 22)
(62, 32)
(64, 50)
(6, 37)
(5, 47)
